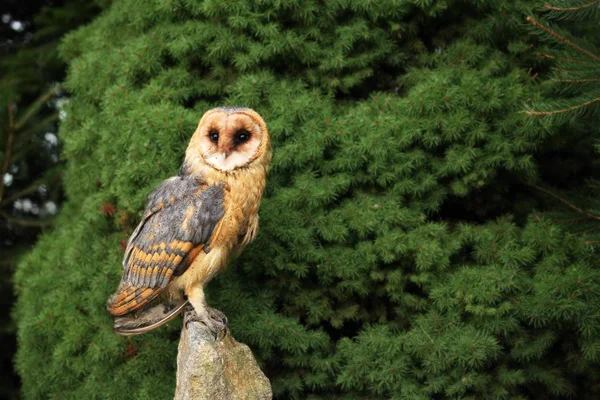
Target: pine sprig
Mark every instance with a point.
(573, 10)
(577, 65)
(562, 38)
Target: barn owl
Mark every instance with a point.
(194, 223)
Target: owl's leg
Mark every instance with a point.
(214, 320)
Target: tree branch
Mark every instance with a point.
(581, 7)
(562, 39)
(19, 194)
(49, 176)
(9, 144)
(567, 59)
(36, 106)
(562, 110)
(564, 201)
(36, 223)
(576, 80)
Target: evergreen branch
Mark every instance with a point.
(572, 219)
(562, 110)
(588, 230)
(567, 59)
(36, 106)
(562, 38)
(575, 80)
(9, 145)
(21, 147)
(588, 5)
(31, 188)
(20, 194)
(11, 116)
(563, 200)
(36, 223)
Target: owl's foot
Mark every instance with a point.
(213, 319)
(217, 315)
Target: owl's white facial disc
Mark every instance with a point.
(229, 141)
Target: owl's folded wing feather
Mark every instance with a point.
(177, 224)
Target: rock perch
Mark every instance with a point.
(209, 369)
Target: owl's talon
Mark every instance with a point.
(222, 333)
(214, 320)
(219, 321)
(217, 316)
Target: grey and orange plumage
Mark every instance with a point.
(195, 222)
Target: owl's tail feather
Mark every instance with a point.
(150, 318)
(130, 298)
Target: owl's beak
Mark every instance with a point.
(220, 156)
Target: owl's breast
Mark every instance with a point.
(241, 204)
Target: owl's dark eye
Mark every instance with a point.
(213, 136)
(242, 136)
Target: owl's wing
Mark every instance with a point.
(177, 224)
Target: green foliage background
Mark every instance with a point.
(30, 69)
(403, 252)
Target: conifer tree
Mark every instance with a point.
(401, 254)
(576, 73)
(30, 190)
(570, 40)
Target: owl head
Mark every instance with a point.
(228, 139)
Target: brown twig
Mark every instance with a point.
(562, 220)
(588, 230)
(50, 176)
(567, 59)
(26, 222)
(9, 144)
(36, 106)
(562, 110)
(576, 80)
(564, 201)
(17, 195)
(581, 7)
(562, 39)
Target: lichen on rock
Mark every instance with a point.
(209, 368)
